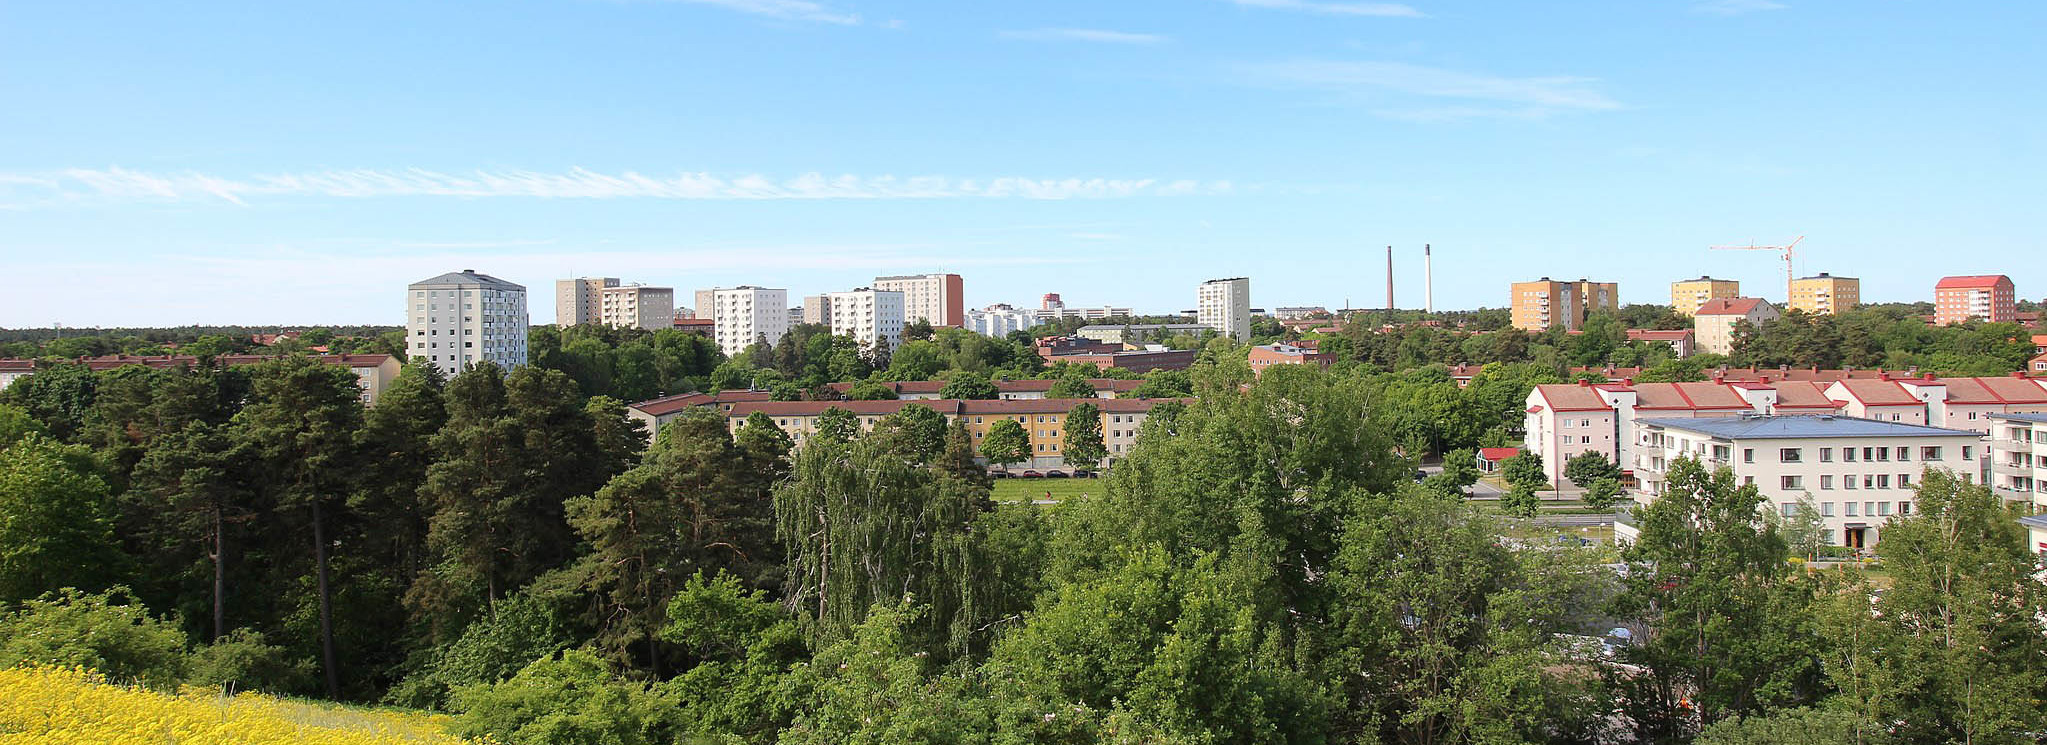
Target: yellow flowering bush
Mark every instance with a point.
(51, 706)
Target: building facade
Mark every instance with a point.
(1687, 295)
(817, 310)
(937, 299)
(458, 319)
(1044, 420)
(1713, 323)
(743, 315)
(1139, 333)
(637, 306)
(1974, 298)
(581, 300)
(1000, 319)
(1225, 305)
(1267, 355)
(870, 316)
(1546, 303)
(2018, 458)
(1825, 294)
(1857, 472)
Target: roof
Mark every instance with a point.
(666, 405)
(347, 360)
(2034, 418)
(1688, 396)
(2034, 521)
(1803, 394)
(1659, 334)
(954, 407)
(1802, 426)
(2006, 390)
(1142, 326)
(1971, 281)
(17, 365)
(468, 277)
(1498, 454)
(1878, 392)
(1729, 306)
(110, 362)
(1568, 397)
(1824, 275)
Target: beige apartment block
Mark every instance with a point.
(1546, 303)
(1687, 295)
(1714, 322)
(637, 306)
(1825, 294)
(581, 300)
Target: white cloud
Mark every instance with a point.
(792, 10)
(1384, 10)
(121, 184)
(1736, 7)
(1083, 34)
(1395, 86)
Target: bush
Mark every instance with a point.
(573, 698)
(527, 627)
(244, 661)
(109, 633)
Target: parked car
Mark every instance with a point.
(1030, 475)
(1082, 473)
(999, 474)
(1055, 474)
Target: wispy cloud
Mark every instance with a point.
(124, 184)
(791, 10)
(1736, 7)
(1405, 91)
(1083, 34)
(1384, 10)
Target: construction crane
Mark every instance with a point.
(1790, 276)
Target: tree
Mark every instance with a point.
(966, 385)
(193, 485)
(572, 698)
(1589, 466)
(56, 524)
(1083, 438)
(1524, 471)
(915, 431)
(836, 425)
(918, 330)
(58, 396)
(1520, 501)
(1804, 530)
(1602, 494)
(109, 633)
(868, 390)
(1071, 387)
(1006, 442)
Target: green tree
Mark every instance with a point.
(1524, 471)
(1602, 494)
(868, 390)
(966, 385)
(56, 522)
(1006, 442)
(1071, 387)
(571, 698)
(916, 431)
(1589, 466)
(1801, 726)
(58, 396)
(1083, 436)
(1520, 501)
(836, 425)
(16, 424)
(194, 488)
(109, 633)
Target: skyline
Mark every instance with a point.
(247, 164)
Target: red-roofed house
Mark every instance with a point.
(1713, 325)
(1567, 419)
(1880, 399)
(1988, 297)
(2038, 364)
(1681, 341)
(1489, 459)
(13, 370)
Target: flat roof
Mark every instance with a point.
(1803, 426)
(2034, 521)
(2034, 418)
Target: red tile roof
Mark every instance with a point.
(1688, 396)
(1498, 454)
(1659, 334)
(349, 360)
(1728, 306)
(944, 406)
(18, 365)
(1878, 392)
(1971, 282)
(1803, 394)
(1569, 397)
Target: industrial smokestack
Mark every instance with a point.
(1389, 278)
(1428, 280)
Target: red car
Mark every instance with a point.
(1031, 475)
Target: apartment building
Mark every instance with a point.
(1044, 420)
(1974, 298)
(13, 370)
(1683, 342)
(1858, 472)
(1007, 390)
(817, 310)
(869, 316)
(2018, 458)
(743, 315)
(637, 306)
(461, 318)
(1268, 355)
(1546, 303)
(934, 298)
(1687, 295)
(1713, 322)
(1825, 294)
(581, 300)
(1139, 333)
(1225, 305)
(1000, 319)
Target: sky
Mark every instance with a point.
(299, 163)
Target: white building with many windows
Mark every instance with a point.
(743, 315)
(999, 319)
(461, 318)
(937, 299)
(1225, 305)
(2018, 458)
(637, 306)
(1857, 472)
(868, 315)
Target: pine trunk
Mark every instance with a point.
(328, 663)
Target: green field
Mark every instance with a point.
(1018, 490)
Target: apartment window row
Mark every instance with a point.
(1851, 509)
(1850, 481)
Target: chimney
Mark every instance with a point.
(1584, 383)
(1389, 278)
(1629, 382)
(1428, 280)
(2020, 374)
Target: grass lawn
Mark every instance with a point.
(1019, 490)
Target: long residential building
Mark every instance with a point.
(1858, 473)
(871, 317)
(1546, 303)
(2018, 468)
(1687, 295)
(743, 315)
(1825, 294)
(1974, 298)
(1044, 420)
(458, 319)
(937, 299)
(1000, 319)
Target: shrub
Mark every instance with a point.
(109, 633)
(244, 661)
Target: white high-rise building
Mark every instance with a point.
(999, 319)
(461, 318)
(867, 315)
(1225, 305)
(637, 306)
(743, 315)
(581, 300)
(935, 298)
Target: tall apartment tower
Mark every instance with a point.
(1987, 297)
(1687, 295)
(743, 315)
(581, 300)
(868, 315)
(817, 309)
(461, 318)
(637, 306)
(1545, 303)
(1225, 305)
(1825, 294)
(935, 298)
(999, 319)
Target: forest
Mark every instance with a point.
(1261, 569)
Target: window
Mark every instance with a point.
(1826, 455)
(1788, 509)
(1585, 439)
(1826, 482)
(1868, 481)
(1883, 508)
(1904, 481)
(1869, 509)
(1584, 422)
(1904, 508)
(1904, 454)
(1966, 453)
(1883, 481)
(1850, 507)
(1929, 453)
(1883, 454)
(1748, 455)
(1748, 481)
(1848, 454)
(1868, 454)
(1721, 452)
(1826, 509)
(1848, 482)
(1790, 455)
(1790, 482)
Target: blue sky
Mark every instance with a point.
(298, 163)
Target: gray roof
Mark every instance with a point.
(468, 278)
(1803, 426)
(2034, 418)
(2034, 521)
